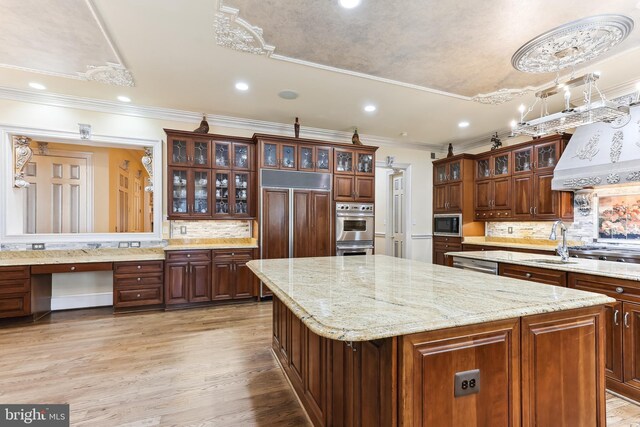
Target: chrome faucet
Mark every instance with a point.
(562, 250)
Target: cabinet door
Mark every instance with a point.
(454, 197)
(200, 190)
(501, 165)
(302, 224)
(222, 279)
(440, 198)
(343, 188)
(199, 281)
(613, 340)
(306, 158)
(275, 223)
(179, 151)
(522, 195)
(241, 156)
(244, 278)
(178, 192)
(365, 163)
(440, 174)
(501, 193)
(483, 194)
(438, 255)
(269, 156)
(454, 171)
(545, 204)
(176, 283)
(365, 189)
(222, 155)
(241, 191)
(343, 161)
(483, 168)
(324, 159)
(631, 323)
(288, 158)
(201, 153)
(546, 156)
(15, 305)
(522, 160)
(223, 193)
(321, 216)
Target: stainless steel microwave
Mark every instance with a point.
(447, 225)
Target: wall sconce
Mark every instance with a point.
(22, 155)
(85, 131)
(147, 162)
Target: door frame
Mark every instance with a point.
(388, 171)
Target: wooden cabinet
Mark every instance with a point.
(449, 171)
(186, 150)
(311, 223)
(232, 279)
(442, 245)
(278, 155)
(315, 158)
(453, 186)
(533, 274)
(189, 193)
(138, 285)
(353, 188)
(15, 291)
(188, 277)
(622, 330)
(448, 198)
(232, 155)
(353, 178)
(349, 162)
(234, 194)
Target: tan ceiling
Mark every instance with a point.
(170, 48)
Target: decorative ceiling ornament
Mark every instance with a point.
(22, 155)
(589, 150)
(235, 33)
(84, 130)
(111, 74)
(500, 96)
(571, 44)
(616, 146)
(43, 148)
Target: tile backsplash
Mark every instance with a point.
(182, 229)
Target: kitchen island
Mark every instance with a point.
(376, 340)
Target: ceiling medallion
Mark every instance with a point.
(571, 44)
(111, 73)
(500, 96)
(235, 33)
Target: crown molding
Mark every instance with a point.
(169, 114)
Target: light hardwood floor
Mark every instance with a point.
(200, 367)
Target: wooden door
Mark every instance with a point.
(275, 223)
(454, 197)
(302, 224)
(240, 188)
(343, 161)
(438, 255)
(242, 156)
(179, 151)
(440, 174)
(269, 155)
(306, 158)
(545, 204)
(501, 193)
(343, 188)
(631, 324)
(454, 171)
(321, 219)
(522, 196)
(365, 189)
(483, 194)
(501, 165)
(440, 198)
(483, 168)
(199, 191)
(546, 156)
(178, 194)
(324, 159)
(288, 158)
(365, 163)
(613, 331)
(199, 281)
(522, 160)
(176, 282)
(244, 279)
(222, 279)
(200, 153)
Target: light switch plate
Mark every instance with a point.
(466, 382)
(183, 229)
(123, 244)
(135, 244)
(510, 230)
(37, 246)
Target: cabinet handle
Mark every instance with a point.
(531, 210)
(73, 268)
(527, 275)
(626, 319)
(535, 210)
(615, 317)
(619, 289)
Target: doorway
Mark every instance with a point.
(397, 214)
(395, 181)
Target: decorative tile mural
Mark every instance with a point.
(619, 217)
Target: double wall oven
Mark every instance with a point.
(354, 229)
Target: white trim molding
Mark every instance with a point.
(67, 302)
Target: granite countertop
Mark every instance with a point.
(575, 265)
(11, 258)
(361, 298)
(521, 243)
(217, 243)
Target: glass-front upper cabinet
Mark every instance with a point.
(323, 156)
(269, 155)
(307, 158)
(441, 174)
(455, 170)
(201, 194)
(288, 156)
(179, 193)
(188, 152)
(241, 156)
(178, 154)
(200, 156)
(501, 164)
(312, 158)
(546, 155)
(241, 192)
(366, 165)
(222, 155)
(483, 168)
(522, 160)
(222, 193)
(343, 161)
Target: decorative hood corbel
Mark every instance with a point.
(22, 153)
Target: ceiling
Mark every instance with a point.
(420, 65)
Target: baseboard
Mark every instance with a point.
(67, 302)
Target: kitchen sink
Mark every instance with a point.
(553, 261)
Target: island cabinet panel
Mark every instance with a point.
(613, 341)
(533, 274)
(562, 369)
(632, 345)
(430, 360)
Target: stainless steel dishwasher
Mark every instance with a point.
(488, 267)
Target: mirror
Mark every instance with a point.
(81, 189)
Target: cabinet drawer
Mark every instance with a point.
(232, 253)
(138, 267)
(441, 239)
(502, 214)
(188, 256)
(15, 305)
(14, 286)
(133, 297)
(625, 290)
(17, 272)
(448, 247)
(71, 268)
(146, 279)
(533, 274)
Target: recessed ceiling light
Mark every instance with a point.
(349, 4)
(369, 108)
(122, 98)
(463, 124)
(288, 94)
(242, 86)
(38, 86)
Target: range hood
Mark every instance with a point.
(601, 154)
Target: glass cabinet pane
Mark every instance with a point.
(222, 193)
(179, 195)
(201, 153)
(201, 192)
(323, 159)
(222, 155)
(306, 158)
(522, 161)
(547, 156)
(344, 161)
(288, 156)
(365, 163)
(270, 155)
(454, 171)
(241, 156)
(483, 169)
(441, 173)
(501, 165)
(241, 189)
(179, 151)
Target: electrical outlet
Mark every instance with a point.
(467, 382)
(135, 244)
(37, 246)
(183, 229)
(123, 245)
(510, 230)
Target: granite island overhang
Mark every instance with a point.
(377, 340)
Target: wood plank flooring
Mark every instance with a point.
(201, 367)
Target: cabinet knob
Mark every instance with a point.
(621, 260)
(233, 254)
(139, 279)
(527, 275)
(73, 268)
(138, 296)
(446, 246)
(139, 267)
(619, 289)
(188, 255)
